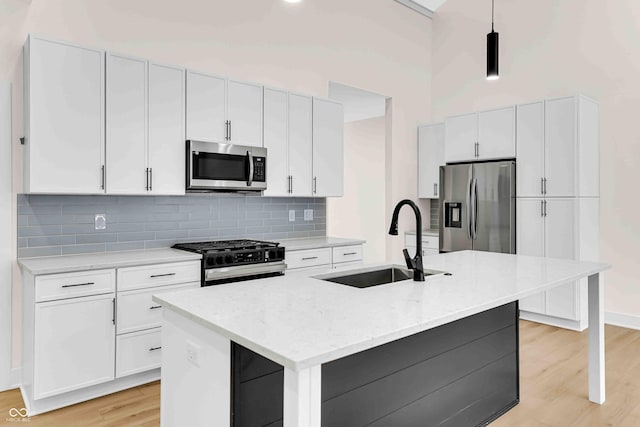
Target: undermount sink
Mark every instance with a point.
(383, 276)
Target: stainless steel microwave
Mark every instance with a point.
(213, 166)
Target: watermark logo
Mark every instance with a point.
(18, 416)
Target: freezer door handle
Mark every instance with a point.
(468, 208)
(474, 209)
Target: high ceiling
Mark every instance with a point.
(424, 7)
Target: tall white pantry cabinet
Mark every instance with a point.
(558, 198)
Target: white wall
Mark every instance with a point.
(552, 48)
(5, 235)
(379, 45)
(361, 212)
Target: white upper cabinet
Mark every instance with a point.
(497, 134)
(558, 148)
(166, 141)
(328, 148)
(530, 155)
(225, 111)
(481, 136)
(461, 136)
(64, 118)
(126, 125)
(244, 113)
(145, 127)
(276, 110)
(206, 107)
(301, 145)
(430, 158)
(288, 137)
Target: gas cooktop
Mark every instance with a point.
(225, 245)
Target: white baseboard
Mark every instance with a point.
(624, 320)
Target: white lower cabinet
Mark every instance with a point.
(430, 244)
(94, 328)
(74, 344)
(321, 259)
(138, 352)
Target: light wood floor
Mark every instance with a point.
(553, 388)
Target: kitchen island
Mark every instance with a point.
(306, 325)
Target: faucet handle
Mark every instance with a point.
(410, 263)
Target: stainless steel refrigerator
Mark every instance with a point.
(478, 207)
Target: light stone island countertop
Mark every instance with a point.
(317, 242)
(70, 263)
(301, 321)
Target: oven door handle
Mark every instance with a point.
(213, 274)
(250, 177)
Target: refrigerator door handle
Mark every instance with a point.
(468, 209)
(474, 207)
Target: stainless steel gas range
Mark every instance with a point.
(225, 261)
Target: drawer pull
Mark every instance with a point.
(309, 257)
(155, 348)
(153, 307)
(79, 284)
(153, 276)
(350, 253)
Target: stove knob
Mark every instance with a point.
(272, 254)
(210, 261)
(219, 260)
(228, 259)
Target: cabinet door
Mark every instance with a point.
(276, 109)
(560, 242)
(430, 158)
(497, 133)
(166, 130)
(301, 145)
(530, 241)
(245, 113)
(206, 112)
(64, 100)
(460, 137)
(126, 125)
(328, 148)
(560, 147)
(530, 150)
(74, 344)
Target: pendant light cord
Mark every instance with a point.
(492, 15)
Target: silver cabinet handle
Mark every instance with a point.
(349, 253)
(250, 177)
(226, 130)
(545, 208)
(541, 207)
(545, 185)
(102, 178)
(79, 284)
(113, 317)
(150, 179)
(153, 276)
(155, 348)
(541, 185)
(315, 185)
(229, 130)
(435, 189)
(146, 186)
(154, 307)
(309, 257)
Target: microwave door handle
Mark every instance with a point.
(250, 177)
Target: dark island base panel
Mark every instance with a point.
(465, 373)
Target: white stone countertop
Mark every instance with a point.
(69, 263)
(317, 242)
(300, 321)
(426, 232)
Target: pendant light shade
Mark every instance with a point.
(492, 52)
(492, 56)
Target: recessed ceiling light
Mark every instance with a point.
(292, 1)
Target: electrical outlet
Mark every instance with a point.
(101, 221)
(193, 353)
(292, 215)
(308, 214)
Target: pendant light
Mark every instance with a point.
(492, 52)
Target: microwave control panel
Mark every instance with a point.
(259, 169)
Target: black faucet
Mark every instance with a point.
(414, 264)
